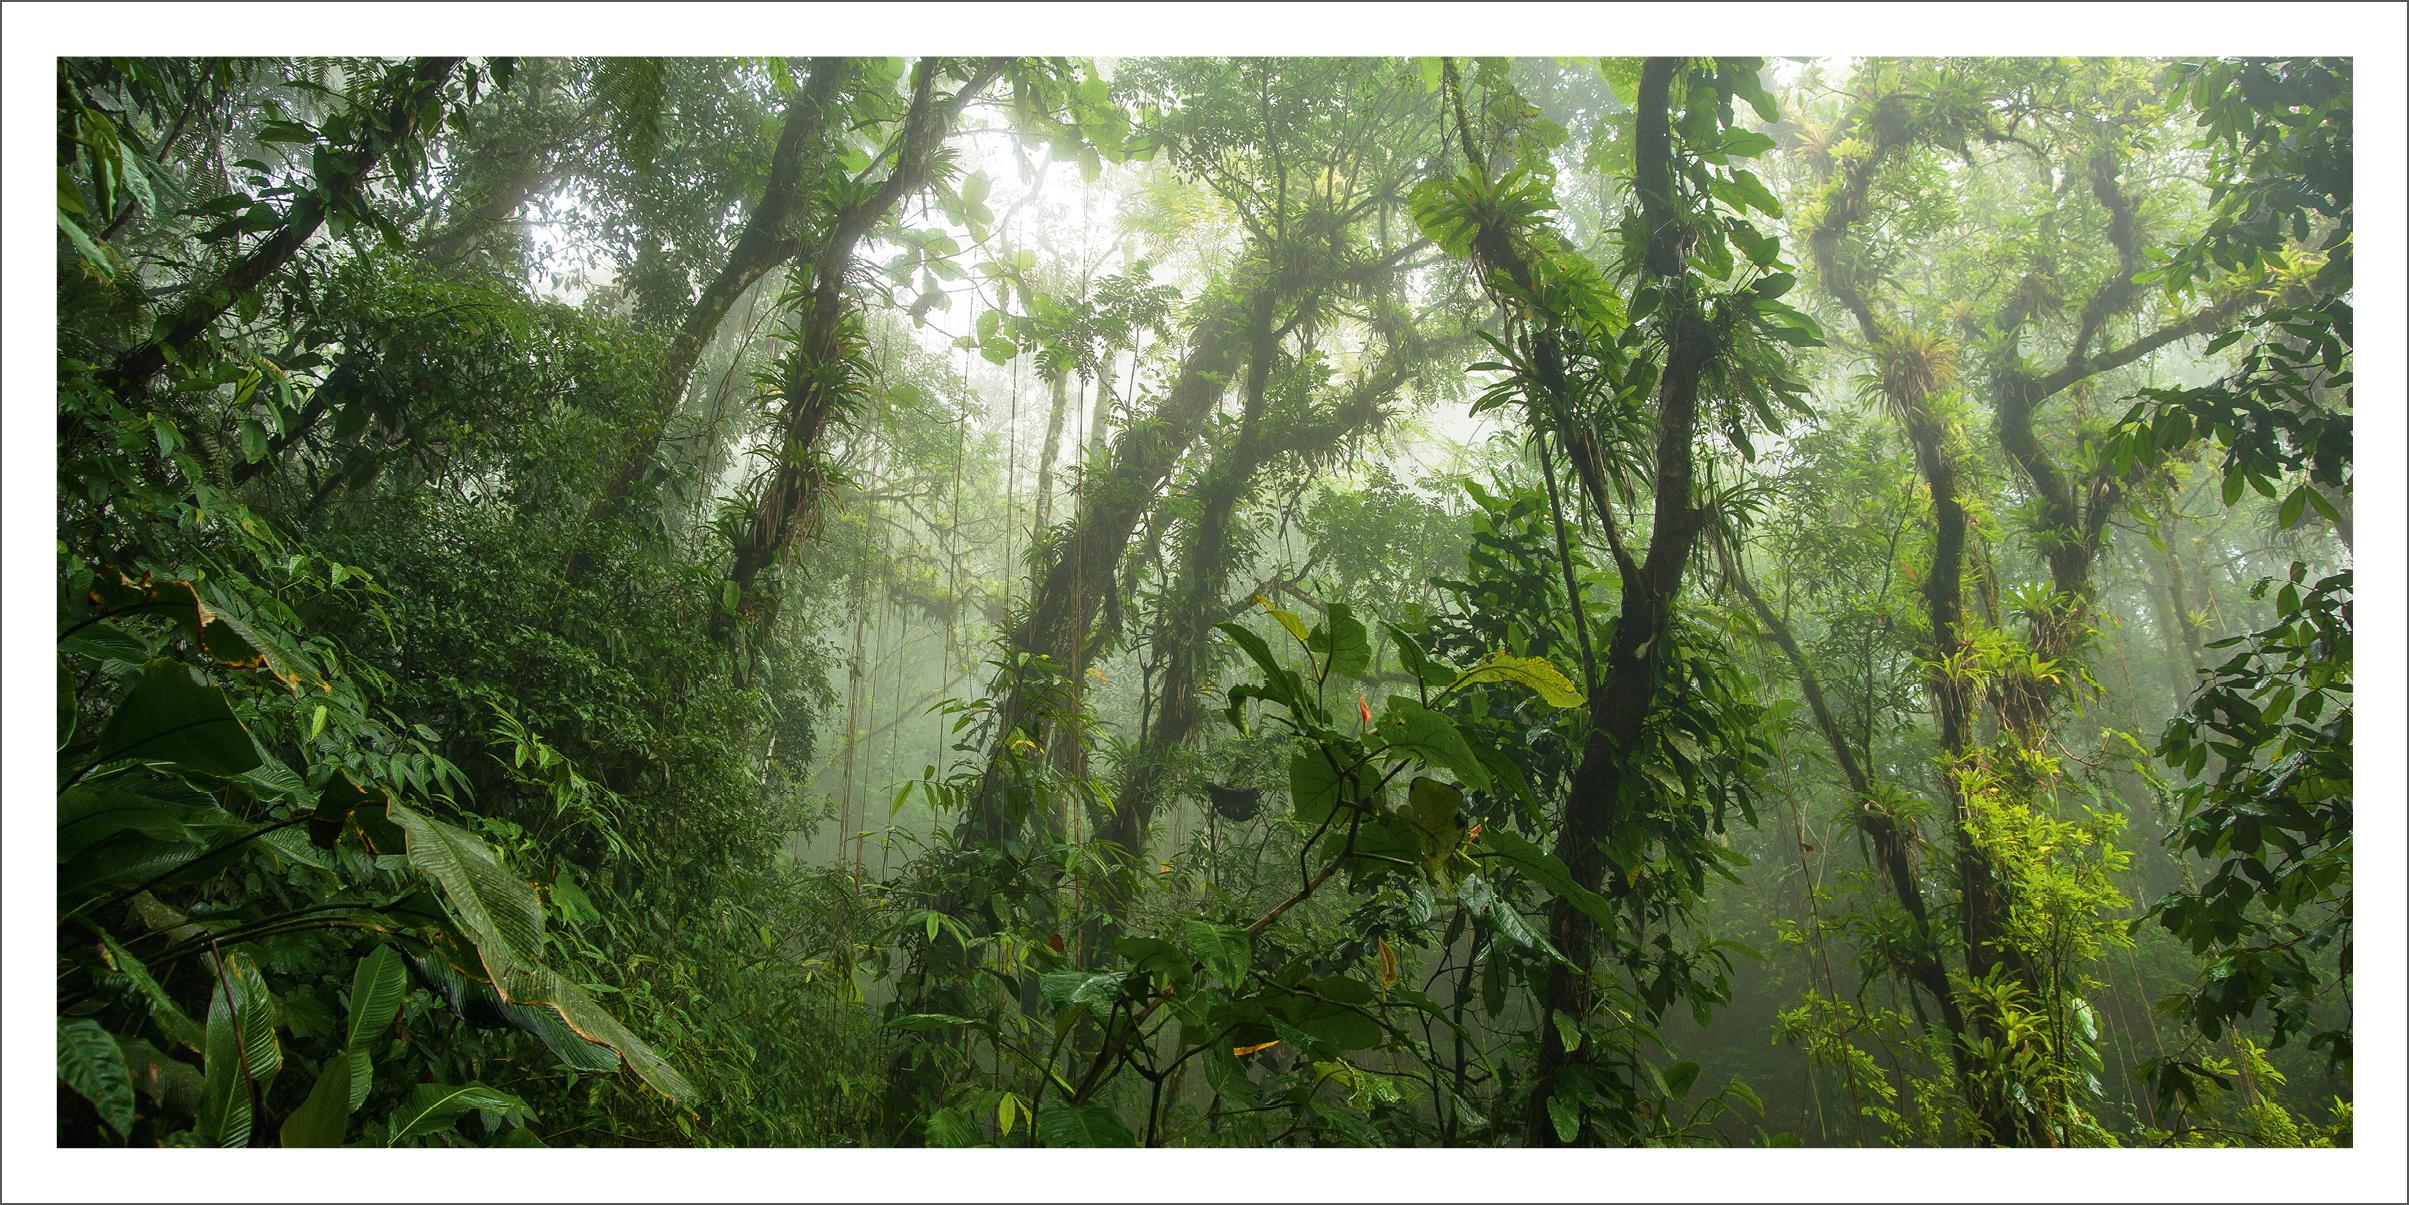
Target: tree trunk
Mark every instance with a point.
(1626, 694)
(818, 382)
(344, 174)
(772, 236)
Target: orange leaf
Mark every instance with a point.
(1243, 1051)
(1364, 707)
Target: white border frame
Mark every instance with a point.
(34, 34)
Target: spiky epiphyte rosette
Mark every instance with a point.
(1916, 365)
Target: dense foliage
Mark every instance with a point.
(1674, 602)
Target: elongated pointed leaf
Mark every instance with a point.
(1548, 871)
(171, 716)
(325, 1117)
(377, 987)
(1410, 728)
(239, 1046)
(434, 1107)
(164, 1010)
(504, 919)
(1083, 1125)
(91, 1063)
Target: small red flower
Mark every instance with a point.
(1364, 707)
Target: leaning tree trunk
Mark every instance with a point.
(818, 381)
(342, 177)
(1063, 603)
(772, 236)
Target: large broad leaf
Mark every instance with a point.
(1097, 989)
(499, 910)
(1279, 682)
(164, 1010)
(377, 987)
(239, 1046)
(91, 1063)
(325, 1117)
(505, 920)
(1565, 1116)
(1331, 1012)
(1436, 810)
(171, 716)
(434, 1107)
(1225, 951)
(1417, 662)
(1548, 871)
(474, 998)
(1431, 738)
(90, 813)
(174, 1086)
(1314, 788)
(1341, 643)
(1541, 676)
(1083, 1125)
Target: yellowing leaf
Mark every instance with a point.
(1288, 619)
(1537, 673)
(1243, 1051)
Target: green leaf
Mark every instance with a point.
(1286, 619)
(239, 1052)
(91, 813)
(171, 1084)
(1680, 1076)
(1083, 1125)
(435, 1107)
(1745, 143)
(1545, 869)
(91, 1063)
(164, 1010)
(1567, 1029)
(1410, 728)
(1098, 989)
(1436, 810)
(1279, 682)
(325, 1117)
(171, 716)
(1501, 915)
(1225, 951)
(1313, 785)
(136, 180)
(1417, 662)
(377, 987)
(85, 247)
(1565, 1116)
(505, 921)
(1536, 673)
(1341, 643)
(923, 1021)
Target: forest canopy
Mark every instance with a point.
(812, 602)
